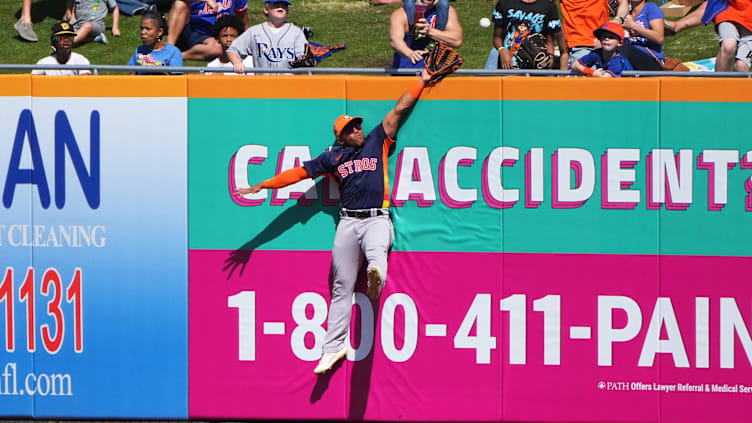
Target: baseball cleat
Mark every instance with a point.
(375, 282)
(328, 360)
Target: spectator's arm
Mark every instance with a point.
(654, 33)
(561, 41)
(505, 57)
(237, 63)
(397, 31)
(623, 9)
(694, 18)
(243, 15)
(451, 35)
(116, 21)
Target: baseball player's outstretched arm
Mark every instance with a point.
(282, 180)
(393, 119)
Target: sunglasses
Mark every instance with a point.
(58, 38)
(351, 127)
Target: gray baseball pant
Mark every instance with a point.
(371, 238)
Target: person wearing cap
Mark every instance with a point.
(272, 44)
(605, 62)
(62, 44)
(359, 164)
(191, 23)
(580, 18)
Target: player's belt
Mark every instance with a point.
(363, 213)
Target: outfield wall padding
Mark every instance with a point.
(566, 249)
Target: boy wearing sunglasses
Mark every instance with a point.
(62, 46)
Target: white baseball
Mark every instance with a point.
(484, 22)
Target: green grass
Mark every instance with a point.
(360, 24)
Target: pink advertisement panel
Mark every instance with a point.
(476, 336)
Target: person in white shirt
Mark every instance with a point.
(226, 30)
(62, 44)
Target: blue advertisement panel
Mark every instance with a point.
(93, 243)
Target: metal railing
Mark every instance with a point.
(96, 69)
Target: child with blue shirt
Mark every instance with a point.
(605, 62)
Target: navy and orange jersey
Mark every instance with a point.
(362, 172)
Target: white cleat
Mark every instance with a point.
(328, 360)
(375, 282)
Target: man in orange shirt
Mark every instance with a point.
(580, 18)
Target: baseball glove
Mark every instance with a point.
(533, 53)
(441, 61)
(306, 61)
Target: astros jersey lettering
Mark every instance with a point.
(362, 172)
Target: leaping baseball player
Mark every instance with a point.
(359, 164)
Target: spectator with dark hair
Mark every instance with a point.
(226, 30)
(154, 52)
(62, 44)
(191, 24)
(643, 46)
(516, 19)
(604, 62)
(24, 26)
(87, 18)
(273, 44)
(411, 44)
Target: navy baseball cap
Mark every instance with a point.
(277, 1)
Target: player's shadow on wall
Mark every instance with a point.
(360, 378)
(239, 258)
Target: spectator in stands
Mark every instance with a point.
(580, 18)
(733, 20)
(87, 18)
(154, 51)
(24, 26)
(442, 12)
(272, 44)
(191, 24)
(62, 44)
(604, 62)
(411, 45)
(226, 30)
(516, 19)
(643, 46)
